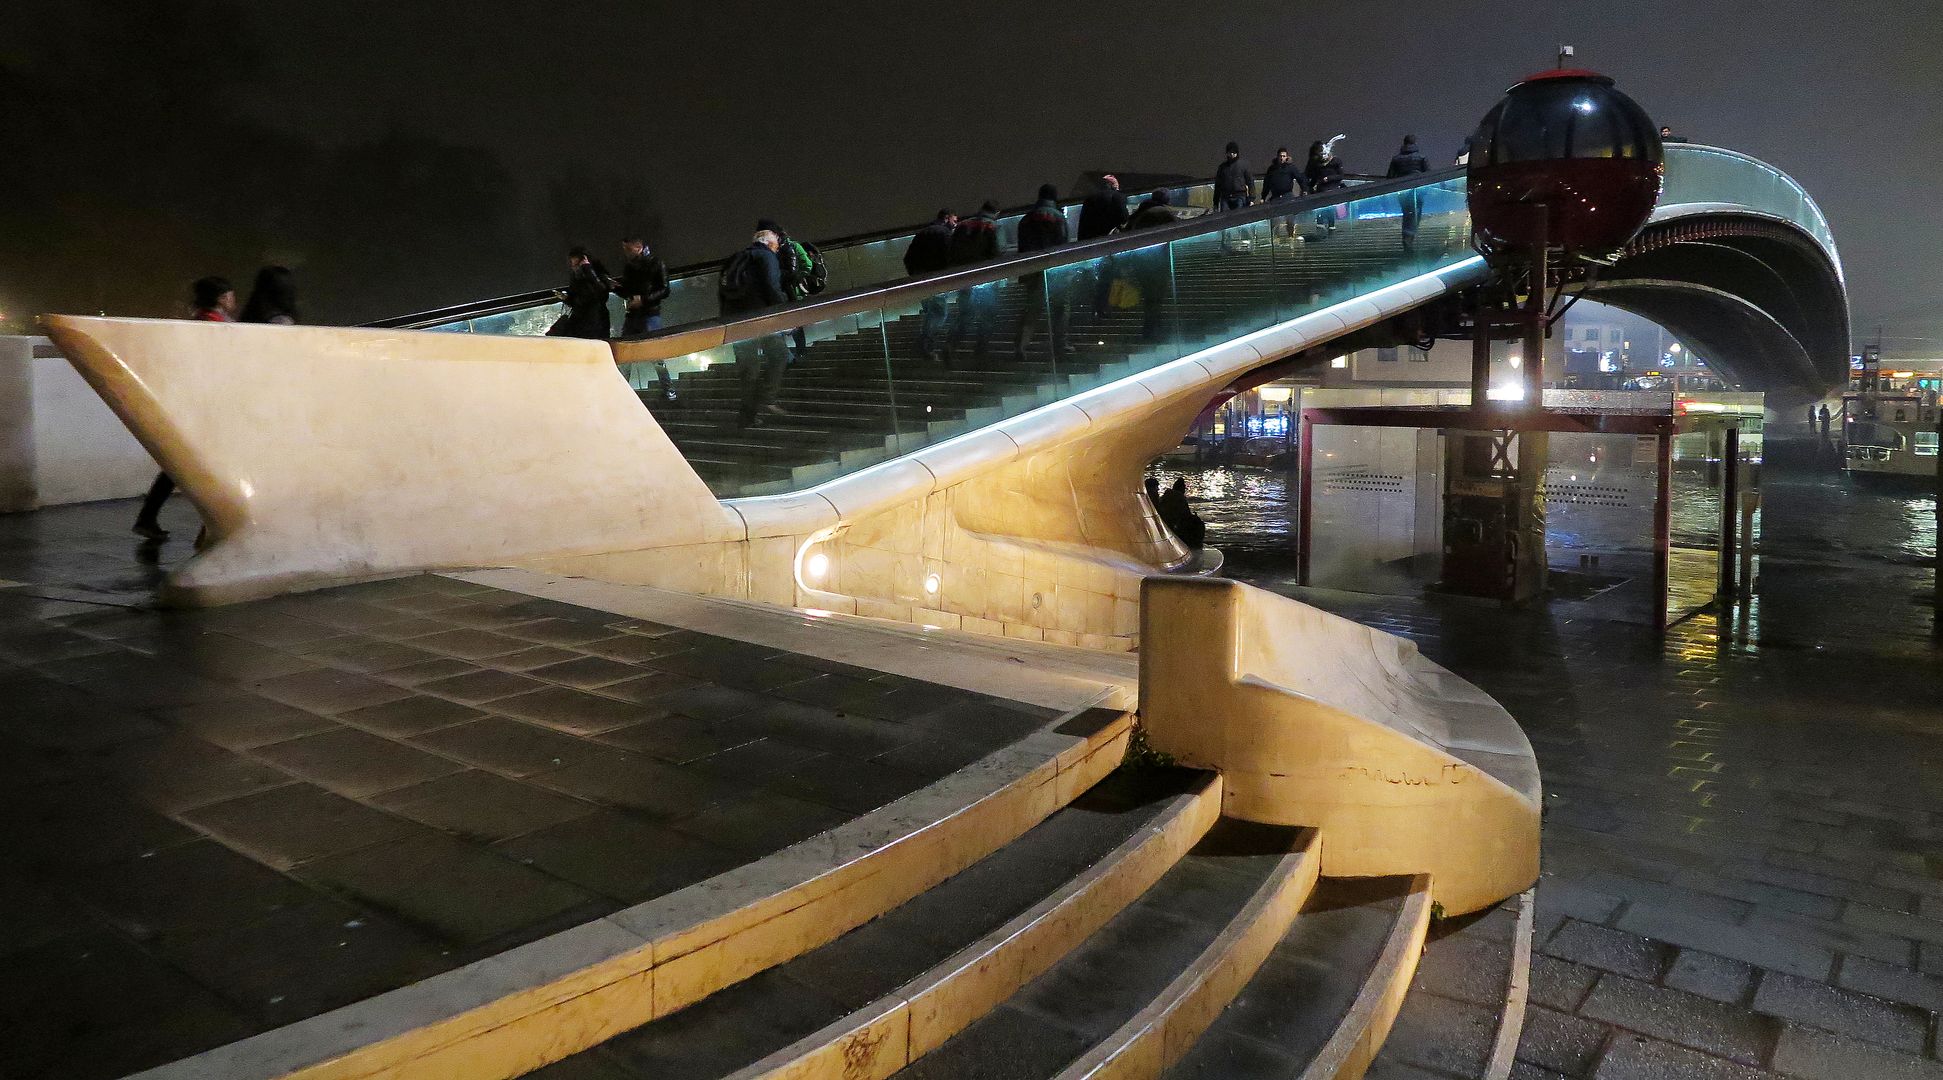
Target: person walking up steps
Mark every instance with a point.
(751, 281)
(643, 287)
(930, 253)
(215, 301)
(1041, 229)
(1409, 162)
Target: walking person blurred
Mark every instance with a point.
(1234, 188)
(752, 280)
(1409, 162)
(1042, 228)
(273, 297)
(1102, 214)
(1324, 173)
(930, 253)
(1280, 183)
(1153, 266)
(642, 287)
(804, 273)
(975, 240)
(214, 300)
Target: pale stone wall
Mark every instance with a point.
(59, 443)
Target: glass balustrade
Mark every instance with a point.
(770, 413)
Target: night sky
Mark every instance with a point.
(404, 155)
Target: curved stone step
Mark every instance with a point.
(1138, 992)
(863, 1005)
(536, 1004)
(1323, 1001)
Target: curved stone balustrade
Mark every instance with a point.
(1315, 720)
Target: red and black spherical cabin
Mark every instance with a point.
(1568, 141)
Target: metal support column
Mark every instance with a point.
(1730, 515)
(1306, 454)
(1663, 526)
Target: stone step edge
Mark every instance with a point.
(1360, 1034)
(511, 1013)
(1511, 1022)
(1161, 1033)
(879, 1039)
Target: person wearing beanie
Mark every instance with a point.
(1151, 265)
(1043, 227)
(1409, 162)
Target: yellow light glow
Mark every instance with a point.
(817, 565)
(1339, 362)
(1275, 393)
(932, 584)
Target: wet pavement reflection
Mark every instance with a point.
(1742, 813)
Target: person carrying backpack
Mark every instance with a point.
(1042, 228)
(930, 253)
(804, 272)
(751, 281)
(975, 240)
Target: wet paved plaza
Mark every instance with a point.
(1743, 853)
(222, 821)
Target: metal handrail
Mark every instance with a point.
(709, 333)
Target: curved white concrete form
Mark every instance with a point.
(1315, 720)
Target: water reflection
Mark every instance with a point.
(1250, 512)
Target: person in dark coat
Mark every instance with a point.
(273, 297)
(1409, 162)
(751, 281)
(930, 253)
(213, 299)
(1151, 266)
(793, 257)
(1042, 228)
(643, 287)
(1104, 211)
(1281, 182)
(975, 240)
(1324, 173)
(1180, 518)
(1234, 187)
(585, 297)
(1102, 214)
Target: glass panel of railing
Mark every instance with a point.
(862, 388)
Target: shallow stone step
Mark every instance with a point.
(1152, 978)
(1322, 1002)
(862, 1004)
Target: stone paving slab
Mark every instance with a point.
(232, 819)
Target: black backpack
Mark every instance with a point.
(818, 278)
(738, 282)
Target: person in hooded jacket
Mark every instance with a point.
(1234, 187)
(975, 240)
(273, 298)
(1280, 183)
(585, 297)
(1151, 265)
(1102, 214)
(1409, 162)
(1324, 173)
(751, 281)
(930, 253)
(1042, 228)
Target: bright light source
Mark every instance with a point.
(817, 565)
(1515, 360)
(1339, 362)
(1275, 393)
(1584, 105)
(931, 584)
(1506, 391)
(1673, 348)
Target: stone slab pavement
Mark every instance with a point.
(222, 821)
